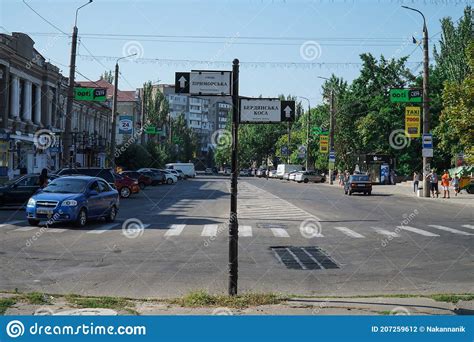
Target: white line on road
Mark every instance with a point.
(245, 231)
(175, 230)
(313, 258)
(451, 230)
(385, 232)
(279, 232)
(54, 230)
(11, 223)
(25, 229)
(350, 232)
(296, 258)
(470, 226)
(418, 231)
(103, 228)
(209, 230)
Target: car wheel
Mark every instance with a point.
(112, 214)
(81, 219)
(306, 180)
(142, 185)
(369, 193)
(125, 192)
(33, 222)
(350, 193)
(169, 181)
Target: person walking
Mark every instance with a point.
(392, 177)
(416, 181)
(455, 184)
(433, 178)
(445, 179)
(43, 179)
(267, 173)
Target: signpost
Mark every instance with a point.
(427, 146)
(406, 95)
(126, 124)
(90, 94)
(151, 130)
(412, 122)
(324, 143)
(201, 82)
(332, 157)
(266, 111)
(302, 151)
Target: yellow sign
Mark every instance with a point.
(412, 122)
(323, 143)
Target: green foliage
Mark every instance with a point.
(108, 76)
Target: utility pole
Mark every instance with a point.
(289, 140)
(332, 123)
(233, 222)
(142, 116)
(308, 127)
(70, 94)
(426, 103)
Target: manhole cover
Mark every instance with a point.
(304, 258)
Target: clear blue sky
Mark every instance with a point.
(342, 28)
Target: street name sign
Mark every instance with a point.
(266, 110)
(201, 82)
(412, 122)
(90, 94)
(406, 95)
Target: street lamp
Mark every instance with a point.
(70, 90)
(426, 104)
(114, 111)
(332, 123)
(307, 130)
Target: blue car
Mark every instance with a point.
(76, 199)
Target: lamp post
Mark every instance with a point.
(114, 112)
(332, 124)
(426, 103)
(70, 91)
(308, 124)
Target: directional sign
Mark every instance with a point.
(406, 95)
(90, 94)
(151, 130)
(412, 122)
(201, 82)
(427, 141)
(266, 111)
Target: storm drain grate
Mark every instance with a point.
(304, 258)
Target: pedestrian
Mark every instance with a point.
(455, 184)
(341, 178)
(267, 173)
(392, 177)
(433, 178)
(445, 179)
(416, 181)
(43, 179)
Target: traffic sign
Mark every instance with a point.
(323, 144)
(412, 122)
(90, 94)
(301, 151)
(266, 110)
(427, 141)
(285, 151)
(332, 157)
(151, 130)
(201, 82)
(405, 95)
(126, 124)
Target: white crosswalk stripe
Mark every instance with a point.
(350, 232)
(417, 231)
(175, 230)
(54, 230)
(279, 232)
(245, 231)
(103, 229)
(385, 232)
(448, 229)
(209, 230)
(25, 229)
(470, 226)
(11, 223)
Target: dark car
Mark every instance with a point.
(358, 183)
(157, 176)
(126, 185)
(106, 174)
(143, 180)
(17, 191)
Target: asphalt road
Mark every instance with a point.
(169, 240)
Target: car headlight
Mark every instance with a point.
(69, 203)
(31, 202)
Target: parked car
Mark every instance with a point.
(76, 198)
(286, 175)
(126, 185)
(292, 175)
(310, 176)
(273, 174)
(176, 173)
(170, 177)
(187, 168)
(208, 171)
(261, 173)
(227, 171)
(157, 176)
(18, 190)
(107, 174)
(244, 173)
(358, 183)
(143, 180)
(282, 169)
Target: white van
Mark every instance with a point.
(284, 168)
(187, 168)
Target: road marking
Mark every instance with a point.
(103, 228)
(54, 230)
(25, 229)
(209, 230)
(385, 232)
(175, 230)
(468, 226)
(11, 223)
(245, 231)
(418, 231)
(279, 232)
(313, 258)
(296, 258)
(451, 230)
(350, 232)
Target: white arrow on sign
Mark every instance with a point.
(287, 111)
(182, 82)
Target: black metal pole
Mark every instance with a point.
(70, 99)
(233, 222)
(114, 119)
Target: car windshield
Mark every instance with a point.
(360, 178)
(66, 186)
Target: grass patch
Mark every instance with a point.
(114, 303)
(452, 298)
(36, 298)
(440, 297)
(203, 299)
(5, 303)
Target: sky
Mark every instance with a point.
(283, 46)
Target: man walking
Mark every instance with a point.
(445, 179)
(433, 178)
(416, 181)
(455, 184)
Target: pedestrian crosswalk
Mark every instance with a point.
(275, 230)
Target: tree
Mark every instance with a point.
(107, 76)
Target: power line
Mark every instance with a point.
(44, 19)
